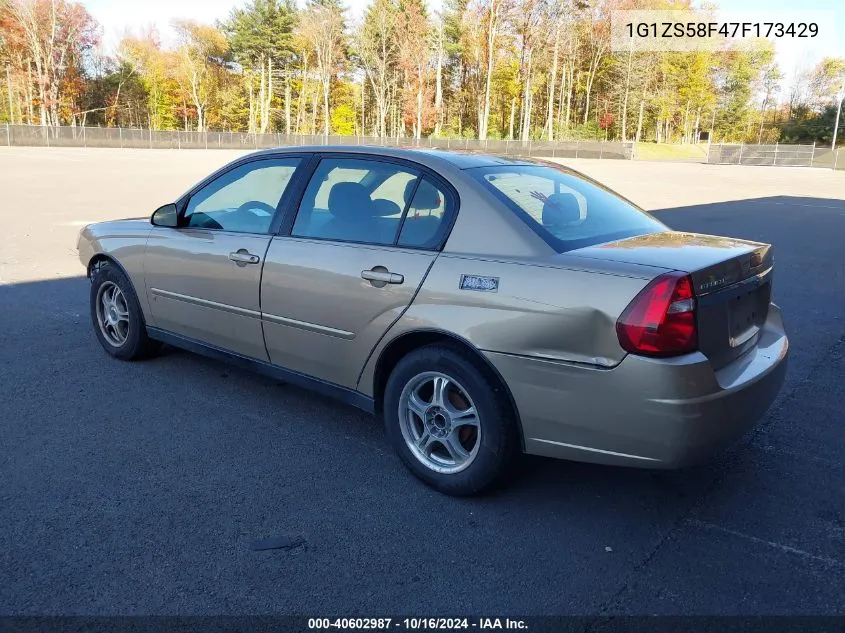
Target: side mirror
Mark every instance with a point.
(166, 216)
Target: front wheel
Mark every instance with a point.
(116, 315)
(449, 420)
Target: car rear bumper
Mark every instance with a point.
(651, 413)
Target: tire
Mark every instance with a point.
(125, 335)
(425, 440)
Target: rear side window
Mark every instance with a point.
(372, 202)
(566, 210)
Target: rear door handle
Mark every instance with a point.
(382, 275)
(243, 256)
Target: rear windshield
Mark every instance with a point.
(566, 210)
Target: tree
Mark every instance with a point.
(57, 35)
(323, 24)
(260, 36)
(491, 11)
(377, 46)
(413, 29)
(144, 58)
(200, 57)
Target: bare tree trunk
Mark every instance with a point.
(268, 102)
(561, 92)
(438, 90)
(628, 72)
(526, 103)
(251, 105)
(569, 92)
(314, 104)
(640, 121)
(420, 71)
(762, 118)
(287, 100)
(262, 95)
(9, 91)
(513, 114)
(42, 97)
(697, 125)
(550, 123)
(589, 90)
(326, 86)
(491, 55)
(29, 108)
(363, 108)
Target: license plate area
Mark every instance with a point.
(747, 313)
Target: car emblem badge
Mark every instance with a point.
(479, 283)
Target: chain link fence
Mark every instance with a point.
(38, 136)
(721, 154)
(777, 154)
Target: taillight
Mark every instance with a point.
(660, 321)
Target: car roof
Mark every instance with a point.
(429, 157)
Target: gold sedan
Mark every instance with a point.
(483, 306)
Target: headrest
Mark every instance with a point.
(561, 209)
(426, 197)
(349, 201)
(385, 208)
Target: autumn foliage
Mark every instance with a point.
(518, 69)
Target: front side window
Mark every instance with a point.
(371, 202)
(242, 200)
(568, 211)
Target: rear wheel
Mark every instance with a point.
(449, 420)
(116, 315)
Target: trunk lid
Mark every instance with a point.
(732, 280)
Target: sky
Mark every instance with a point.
(117, 15)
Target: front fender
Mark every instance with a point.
(124, 243)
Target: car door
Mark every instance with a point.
(362, 241)
(203, 278)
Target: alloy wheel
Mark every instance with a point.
(439, 422)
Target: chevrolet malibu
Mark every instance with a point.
(482, 306)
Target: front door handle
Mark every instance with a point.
(380, 276)
(243, 256)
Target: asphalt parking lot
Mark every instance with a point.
(140, 488)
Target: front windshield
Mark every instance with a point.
(568, 211)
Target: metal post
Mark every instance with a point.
(741, 146)
(577, 145)
(775, 161)
(8, 136)
(813, 156)
(835, 158)
(601, 149)
(84, 139)
(120, 134)
(151, 138)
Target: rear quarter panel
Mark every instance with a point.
(539, 310)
